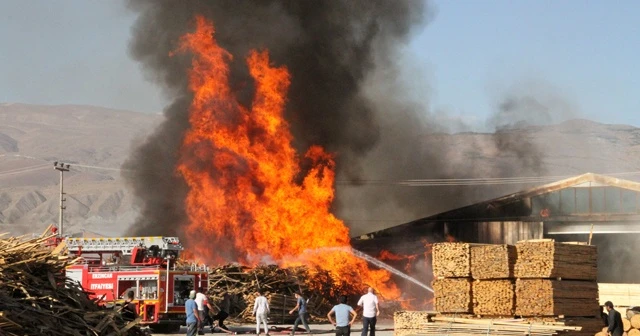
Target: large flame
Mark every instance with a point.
(247, 200)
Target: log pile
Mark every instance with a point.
(37, 299)
(279, 285)
(493, 297)
(451, 260)
(493, 261)
(546, 297)
(549, 259)
(453, 295)
(631, 326)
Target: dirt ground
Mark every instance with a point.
(383, 328)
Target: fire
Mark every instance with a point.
(244, 203)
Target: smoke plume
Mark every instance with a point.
(345, 95)
(328, 46)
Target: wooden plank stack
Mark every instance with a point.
(37, 299)
(541, 280)
(453, 295)
(493, 297)
(546, 258)
(442, 325)
(405, 322)
(556, 279)
(493, 261)
(546, 297)
(622, 295)
(451, 260)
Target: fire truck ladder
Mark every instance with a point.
(124, 245)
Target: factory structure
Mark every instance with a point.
(590, 208)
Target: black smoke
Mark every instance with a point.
(330, 48)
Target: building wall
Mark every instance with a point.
(495, 232)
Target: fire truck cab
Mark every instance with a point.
(146, 266)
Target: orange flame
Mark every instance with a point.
(244, 203)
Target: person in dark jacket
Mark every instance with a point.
(615, 320)
(129, 311)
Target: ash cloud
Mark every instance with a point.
(330, 47)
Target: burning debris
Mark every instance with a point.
(241, 284)
(37, 299)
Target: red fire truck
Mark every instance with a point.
(111, 267)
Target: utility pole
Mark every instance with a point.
(62, 167)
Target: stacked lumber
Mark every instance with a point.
(410, 320)
(440, 325)
(623, 295)
(453, 295)
(493, 297)
(451, 260)
(546, 297)
(549, 259)
(493, 261)
(241, 284)
(37, 299)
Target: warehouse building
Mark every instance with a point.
(601, 209)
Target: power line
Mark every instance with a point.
(430, 182)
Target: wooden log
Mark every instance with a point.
(451, 260)
(635, 321)
(626, 324)
(545, 297)
(550, 259)
(493, 297)
(453, 295)
(493, 261)
(633, 332)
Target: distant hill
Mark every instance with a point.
(33, 136)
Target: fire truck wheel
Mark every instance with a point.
(165, 328)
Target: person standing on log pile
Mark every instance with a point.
(261, 310)
(301, 307)
(191, 310)
(342, 312)
(370, 312)
(615, 320)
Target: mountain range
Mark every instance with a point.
(95, 142)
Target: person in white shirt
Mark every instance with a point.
(202, 302)
(261, 310)
(370, 312)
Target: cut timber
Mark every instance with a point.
(493, 297)
(453, 295)
(545, 297)
(626, 324)
(590, 326)
(492, 261)
(549, 259)
(633, 332)
(451, 260)
(504, 327)
(410, 319)
(635, 321)
(623, 295)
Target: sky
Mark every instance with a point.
(581, 57)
